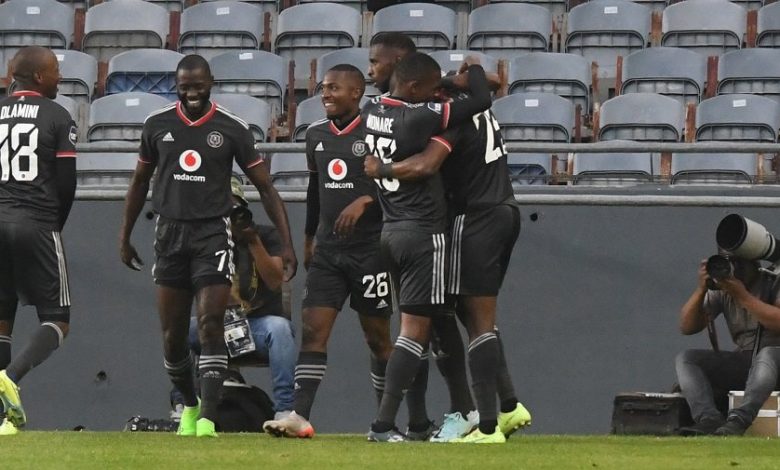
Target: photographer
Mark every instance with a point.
(706, 376)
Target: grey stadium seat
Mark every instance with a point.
(601, 30)
(566, 75)
(713, 168)
(614, 169)
(506, 30)
(305, 32)
(121, 116)
(33, 23)
(642, 117)
(121, 25)
(289, 171)
(309, 111)
(105, 171)
(557, 8)
(255, 73)
(256, 112)
(431, 27)
(738, 117)
(535, 117)
(79, 75)
(452, 60)
(529, 168)
(69, 104)
(358, 5)
(211, 28)
(146, 70)
(709, 27)
(753, 71)
(769, 26)
(270, 6)
(677, 73)
(356, 56)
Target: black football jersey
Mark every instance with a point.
(476, 175)
(34, 132)
(396, 130)
(336, 156)
(194, 160)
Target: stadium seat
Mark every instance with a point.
(357, 5)
(601, 30)
(768, 27)
(677, 73)
(529, 169)
(105, 171)
(255, 73)
(749, 4)
(356, 56)
(256, 112)
(431, 27)
(308, 111)
(79, 75)
(289, 171)
(147, 70)
(121, 116)
(70, 105)
(506, 30)
(614, 169)
(212, 28)
(566, 75)
(452, 60)
(751, 71)
(713, 168)
(642, 117)
(121, 25)
(557, 8)
(33, 23)
(535, 117)
(738, 117)
(305, 32)
(709, 27)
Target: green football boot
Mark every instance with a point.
(8, 428)
(188, 420)
(205, 428)
(514, 420)
(12, 403)
(477, 437)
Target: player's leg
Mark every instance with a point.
(7, 315)
(8, 298)
(376, 330)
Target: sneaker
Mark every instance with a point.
(205, 428)
(280, 415)
(477, 437)
(293, 425)
(705, 427)
(514, 420)
(188, 422)
(8, 428)
(392, 435)
(732, 427)
(421, 435)
(453, 427)
(12, 403)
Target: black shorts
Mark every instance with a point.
(356, 272)
(191, 254)
(33, 269)
(481, 247)
(417, 261)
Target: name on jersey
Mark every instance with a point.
(19, 110)
(337, 170)
(380, 124)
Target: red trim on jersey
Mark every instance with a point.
(446, 114)
(391, 101)
(65, 154)
(26, 93)
(200, 121)
(141, 159)
(442, 141)
(350, 127)
(255, 163)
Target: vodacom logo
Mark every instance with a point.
(190, 160)
(337, 169)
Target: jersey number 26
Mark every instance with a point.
(12, 151)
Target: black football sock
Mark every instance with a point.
(308, 374)
(451, 362)
(5, 351)
(45, 341)
(401, 370)
(504, 385)
(378, 367)
(180, 372)
(483, 362)
(211, 368)
(415, 397)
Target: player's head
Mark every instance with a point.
(342, 88)
(416, 78)
(193, 84)
(385, 52)
(36, 68)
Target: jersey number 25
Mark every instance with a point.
(494, 147)
(12, 151)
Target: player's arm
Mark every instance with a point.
(419, 166)
(349, 216)
(312, 208)
(136, 198)
(270, 268)
(461, 111)
(66, 169)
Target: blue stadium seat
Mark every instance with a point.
(601, 30)
(709, 27)
(289, 171)
(738, 117)
(121, 25)
(752, 71)
(713, 168)
(506, 30)
(431, 27)
(356, 56)
(121, 116)
(147, 70)
(768, 27)
(212, 28)
(305, 32)
(255, 73)
(536, 117)
(566, 75)
(256, 112)
(642, 117)
(614, 169)
(669, 71)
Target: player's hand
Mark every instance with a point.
(371, 166)
(246, 235)
(129, 256)
(290, 263)
(467, 62)
(346, 221)
(308, 251)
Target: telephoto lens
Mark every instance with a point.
(240, 217)
(719, 267)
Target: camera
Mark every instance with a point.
(240, 217)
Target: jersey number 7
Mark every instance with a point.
(384, 148)
(11, 142)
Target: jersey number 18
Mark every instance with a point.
(11, 144)
(383, 147)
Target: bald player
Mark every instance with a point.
(37, 186)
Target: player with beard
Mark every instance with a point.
(192, 144)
